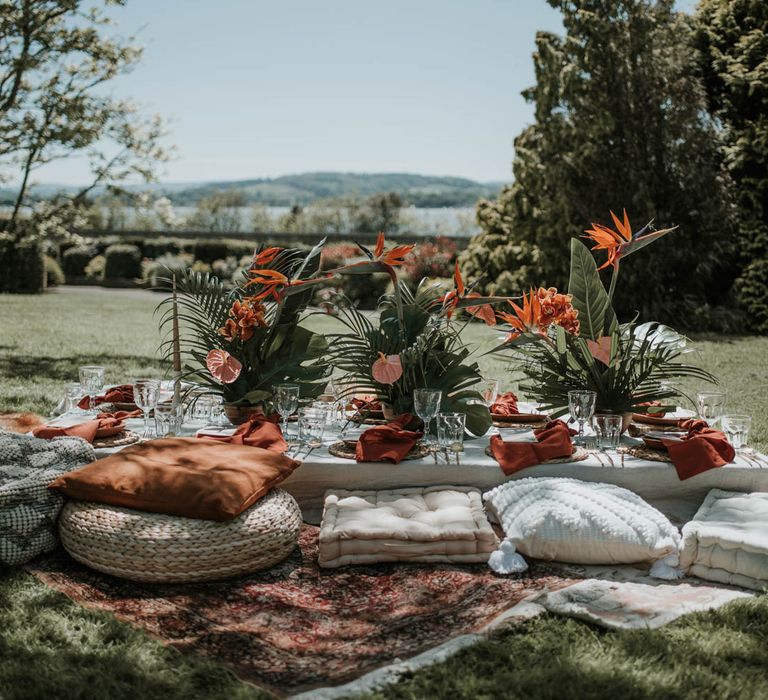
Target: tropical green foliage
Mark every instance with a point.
(732, 37)
(431, 352)
(620, 122)
(280, 351)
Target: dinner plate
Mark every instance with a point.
(654, 440)
(649, 419)
(520, 418)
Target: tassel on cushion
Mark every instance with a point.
(506, 560)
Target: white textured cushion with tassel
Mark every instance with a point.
(583, 523)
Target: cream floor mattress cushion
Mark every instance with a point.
(432, 524)
(727, 541)
(580, 522)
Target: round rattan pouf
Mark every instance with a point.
(144, 546)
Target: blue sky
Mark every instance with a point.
(261, 89)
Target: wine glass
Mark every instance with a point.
(92, 379)
(489, 390)
(426, 403)
(146, 393)
(581, 405)
(711, 405)
(286, 402)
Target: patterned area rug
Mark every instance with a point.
(297, 627)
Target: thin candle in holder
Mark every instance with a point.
(176, 350)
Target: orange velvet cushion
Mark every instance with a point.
(190, 477)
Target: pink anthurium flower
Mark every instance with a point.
(387, 369)
(222, 366)
(601, 349)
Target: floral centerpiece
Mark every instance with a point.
(574, 341)
(239, 343)
(415, 342)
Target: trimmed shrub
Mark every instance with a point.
(74, 260)
(22, 267)
(158, 247)
(208, 250)
(94, 270)
(157, 272)
(122, 261)
(53, 274)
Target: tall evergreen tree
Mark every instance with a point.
(620, 122)
(732, 36)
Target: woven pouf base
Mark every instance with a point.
(144, 546)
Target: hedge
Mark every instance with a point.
(122, 261)
(74, 260)
(22, 267)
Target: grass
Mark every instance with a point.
(53, 648)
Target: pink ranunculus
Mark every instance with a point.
(224, 368)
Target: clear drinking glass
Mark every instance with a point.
(711, 405)
(450, 431)
(426, 403)
(168, 419)
(489, 390)
(286, 402)
(73, 392)
(607, 430)
(92, 378)
(736, 428)
(146, 392)
(312, 420)
(581, 405)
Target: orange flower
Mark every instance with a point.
(229, 330)
(609, 240)
(541, 308)
(265, 257)
(451, 300)
(245, 316)
(270, 280)
(393, 257)
(526, 319)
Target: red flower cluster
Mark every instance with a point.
(557, 308)
(245, 316)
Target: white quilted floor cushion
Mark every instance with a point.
(582, 523)
(433, 524)
(727, 541)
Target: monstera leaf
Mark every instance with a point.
(590, 299)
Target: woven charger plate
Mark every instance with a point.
(643, 452)
(345, 451)
(527, 424)
(359, 420)
(127, 437)
(579, 454)
(640, 429)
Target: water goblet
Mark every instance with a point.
(607, 430)
(450, 432)
(711, 405)
(146, 393)
(312, 420)
(426, 403)
(736, 428)
(581, 405)
(92, 379)
(489, 390)
(286, 402)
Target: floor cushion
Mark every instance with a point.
(433, 524)
(582, 522)
(163, 548)
(28, 509)
(189, 477)
(727, 541)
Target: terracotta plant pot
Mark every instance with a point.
(238, 413)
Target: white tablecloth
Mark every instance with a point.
(656, 482)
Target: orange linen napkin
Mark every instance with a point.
(122, 393)
(390, 442)
(122, 415)
(554, 440)
(700, 450)
(505, 405)
(258, 431)
(366, 405)
(86, 430)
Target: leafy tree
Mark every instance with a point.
(379, 212)
(56, 56)
(732, 36)
(219, 213)
(620, 122)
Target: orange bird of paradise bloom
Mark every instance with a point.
(621, 241)
(271, 280)
(265, 257)
(393, 257)
(451, 301)
(526, 319)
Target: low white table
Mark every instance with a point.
(656, 482)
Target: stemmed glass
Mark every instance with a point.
(92, 379)
(581, 405)
(426, 403)
(711, 405)
(489, 390)
(286, 402)
(146, 393)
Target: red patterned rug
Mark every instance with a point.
(297, 627)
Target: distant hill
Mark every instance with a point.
(305, 188)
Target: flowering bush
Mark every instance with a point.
(430, 259)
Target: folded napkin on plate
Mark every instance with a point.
(122, 393)
(505, 405)
(553, 441)
(366, 405)
(390, 442)
(86, 430)
(653, 404)
(258, 431)
(122, 415)
(700, 450)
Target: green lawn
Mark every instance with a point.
(51, 647)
